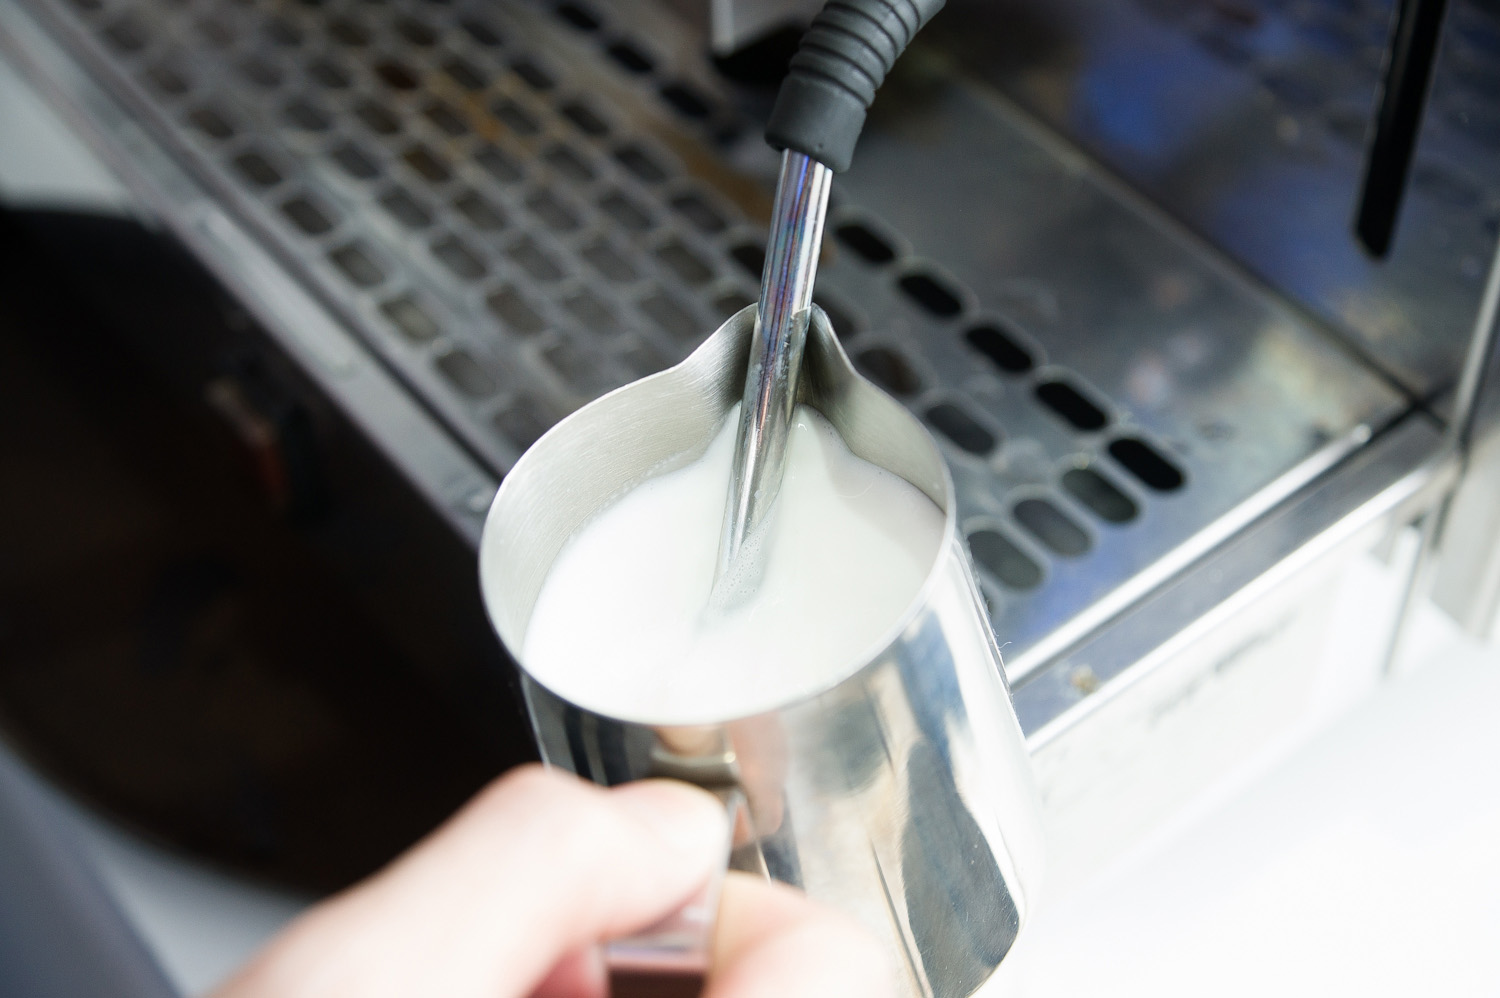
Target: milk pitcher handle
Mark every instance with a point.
(671, 958)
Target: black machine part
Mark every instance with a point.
(1410, 59)
(842, 60)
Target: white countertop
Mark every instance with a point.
(1364, 860)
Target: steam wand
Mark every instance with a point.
(820, 110)
(775, 363)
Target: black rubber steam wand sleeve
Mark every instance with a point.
(840, 63)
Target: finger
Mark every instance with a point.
(772, 942)
(538, 866)
(580, 974)
(762, 750)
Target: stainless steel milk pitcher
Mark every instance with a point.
(901, 794)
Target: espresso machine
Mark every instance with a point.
(1111, 254)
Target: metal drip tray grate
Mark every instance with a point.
(478, 211)
(519, 208)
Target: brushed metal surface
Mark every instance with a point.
(1248, 120)
(1176, 348)
(517, 221)
(900, 792)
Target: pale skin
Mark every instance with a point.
(513, 896)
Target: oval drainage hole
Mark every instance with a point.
(349, 33)
(729, 303)
(480, 32)
(683, 262)
(670, 315)
(630, 58)
(931, 294)
(696, 210)
(1001, 348)
(512, 309)
(534, 260)
(448, 121)
(459, 258)
(514, 117)
(261, 73)
(1049, 525)
(308, 217)
(479, 212)
(572, 364)
(687, 101)
(585, 118)
(395, 75)
(377, 118)
(465, 74)
(168, 80)
(328, 74)
(257, 169)
(640, 163)
(596, 317)
(410, 319)
(357, 265)
(355, 162)
(625, 211)
(416, 32)
(1147, 464)
(405, 209)
(464, 372)
(551, 212)
(283, 32)
(609, 261)
(533, 75)
(889, 370)
(1069, 403)
(498, 165)
(211, 123)
(1096, 493)
(865, 244)
(126, 36)
(428, 164)
(568, 163)
(959, 427)
(308, 117)
(578, 16)
(1011, 566)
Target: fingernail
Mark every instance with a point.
(689, 819)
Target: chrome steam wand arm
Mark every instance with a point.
(819, 113)
(775, 363)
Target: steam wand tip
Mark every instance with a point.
(770, 395)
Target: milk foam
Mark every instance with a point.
(623, 624)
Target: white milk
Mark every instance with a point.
(623, 627)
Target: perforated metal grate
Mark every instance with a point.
(491, 224)
(503, 233)
(519, 207)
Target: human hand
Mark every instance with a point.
(515, 894)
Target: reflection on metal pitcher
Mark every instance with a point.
(902, 793)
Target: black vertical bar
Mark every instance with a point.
(1408, 74)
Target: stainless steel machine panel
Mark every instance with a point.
(519, 207)
(1174, 349)
(1249, 120)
